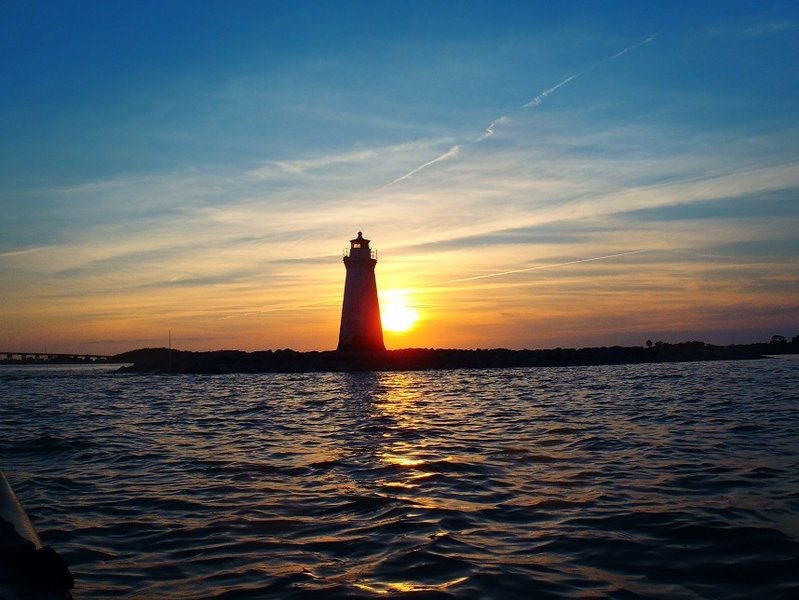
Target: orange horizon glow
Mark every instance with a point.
(623, 300)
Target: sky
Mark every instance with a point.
(532, 174)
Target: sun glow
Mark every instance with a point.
(395, 313)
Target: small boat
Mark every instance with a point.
(28, 569)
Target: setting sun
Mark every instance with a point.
(395, 313)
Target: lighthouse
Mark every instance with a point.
(360, 313)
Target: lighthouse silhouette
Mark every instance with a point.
(360, 313)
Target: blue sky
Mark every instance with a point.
(533, 174)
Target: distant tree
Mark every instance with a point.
(649, 343)
(778, 339)
(795, 339)
(694, 344)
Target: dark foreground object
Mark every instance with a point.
(27, 569)
(163, 360)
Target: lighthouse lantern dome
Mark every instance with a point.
(359, 242)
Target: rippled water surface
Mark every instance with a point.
(656, 481)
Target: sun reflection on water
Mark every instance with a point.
(384, 588)
(402, 461)
(398, 405)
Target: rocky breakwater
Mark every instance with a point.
(163, 360)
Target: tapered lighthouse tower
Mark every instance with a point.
(360, 314)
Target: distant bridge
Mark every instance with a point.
(43, 357)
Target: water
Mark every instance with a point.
(656, 481)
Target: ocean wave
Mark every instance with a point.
(656, 481)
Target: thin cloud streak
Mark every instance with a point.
(540, 97)
(298, 167)
(489, 131)
(633, 47)
(451, 153)
(24, 252)
(551, 266)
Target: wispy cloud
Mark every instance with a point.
(24, 252)
(769, 28)
(753, 30)
(548, 266)
(297, 167)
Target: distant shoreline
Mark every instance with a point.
(163, 360)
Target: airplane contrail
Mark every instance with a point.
(539, 267)
(451, 153)
(540, 97)
(633, 47)
(537, 100)
(489, 131)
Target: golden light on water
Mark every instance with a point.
(396, 312)
(383, 588)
